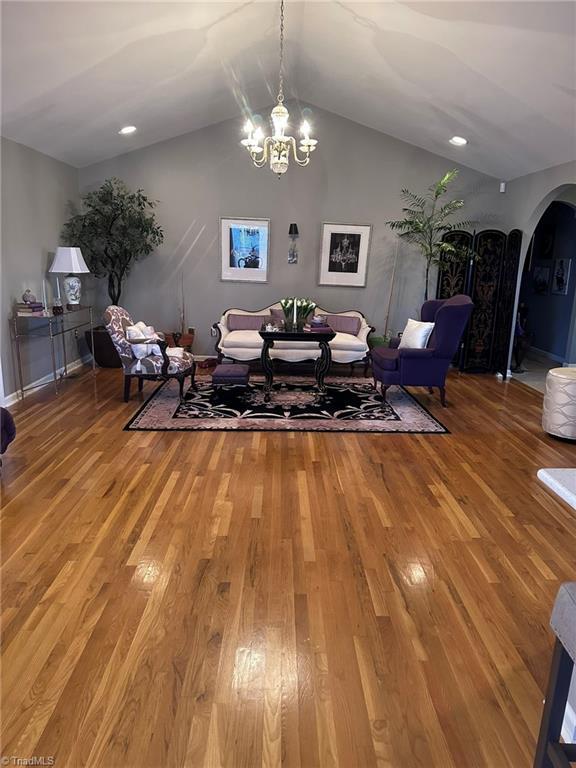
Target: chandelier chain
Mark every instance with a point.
(281, 75)
(280, 147)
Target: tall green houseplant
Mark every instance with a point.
(426, 221)
(114, 227)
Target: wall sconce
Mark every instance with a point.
(293, 234)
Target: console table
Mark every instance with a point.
(49, 327)
(322, 363)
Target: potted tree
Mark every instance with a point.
(426, 221)
(114, 227)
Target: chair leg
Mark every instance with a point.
(181, 387)
(443, 396)
(384, 389)
(554, 705)
(366, 367)
(192, 377)
(127, 382)
(140, 383)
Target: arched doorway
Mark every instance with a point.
(547, 291)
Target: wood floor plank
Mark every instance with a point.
(279, 599)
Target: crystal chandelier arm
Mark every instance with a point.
(261, 162)
(300, 161)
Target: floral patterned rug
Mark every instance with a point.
(348, 405)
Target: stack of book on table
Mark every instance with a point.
(32, 309)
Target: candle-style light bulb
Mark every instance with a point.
(305, 129)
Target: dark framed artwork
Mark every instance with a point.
(541, 279)
(344, 254)
(561, 276)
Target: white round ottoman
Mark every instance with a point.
(559, 414)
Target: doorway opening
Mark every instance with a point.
(545, 335)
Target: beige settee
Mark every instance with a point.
(238, 337)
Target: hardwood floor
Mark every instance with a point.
(238, 599)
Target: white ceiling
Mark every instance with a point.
(503, 74)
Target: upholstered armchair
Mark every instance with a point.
(140, 358)
(425, 367)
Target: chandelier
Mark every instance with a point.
(276, 148)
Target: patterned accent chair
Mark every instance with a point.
(425, 367)
(153, 366)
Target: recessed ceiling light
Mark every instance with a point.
(458, 141)
(127, 130)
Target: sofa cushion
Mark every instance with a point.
(246, 322)
(344, 324)
(242, 339)
(348, 342)
(385, 358)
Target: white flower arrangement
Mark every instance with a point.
(297, 309)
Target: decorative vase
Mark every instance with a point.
(72, 289)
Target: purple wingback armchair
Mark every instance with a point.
(425, 367)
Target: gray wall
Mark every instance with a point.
(35, 193)
(355, 176)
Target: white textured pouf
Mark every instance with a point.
(559, 414)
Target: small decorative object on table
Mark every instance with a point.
(29, 309)
(57, 308)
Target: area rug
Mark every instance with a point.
(348, 405)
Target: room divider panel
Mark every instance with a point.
(489, 276)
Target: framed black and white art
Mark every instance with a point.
(344, 254)
(244, 248)
(561, 276)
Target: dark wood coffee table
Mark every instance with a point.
(322, 363)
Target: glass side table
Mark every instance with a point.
(50, 327)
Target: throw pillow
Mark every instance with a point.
(344, 324)
(416, 335)
(246, 322)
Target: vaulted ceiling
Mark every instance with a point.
(502, 74)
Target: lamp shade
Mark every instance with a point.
(293, 231)
(69, 260)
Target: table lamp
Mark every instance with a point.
(69, 261)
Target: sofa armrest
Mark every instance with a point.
(420, 354)
(221, 333)
(364, 332)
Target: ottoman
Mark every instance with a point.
(559, 414)
(231, 373)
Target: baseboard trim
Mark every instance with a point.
(543, 356)
(44, 381)
(14, 397)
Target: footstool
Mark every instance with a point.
(231, 373)
(559, 414)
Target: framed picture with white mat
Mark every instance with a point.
(344, 254)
